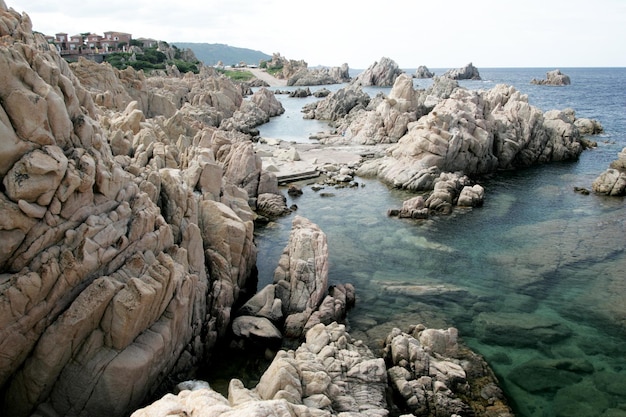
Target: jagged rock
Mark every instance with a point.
(382, 74)
(468, 72)
(288, 67)
(471, 196)
(555, 77)
(331, 374)
(128, 237)
(613, 181)
(328, 375)
(588, 126)
(299, 298)
(338, 104)
(476, 132)
(386, 120)
(449, 190)
(250, 327)
(267, 101)
(320, 76)
(434, 376)
(423, 72)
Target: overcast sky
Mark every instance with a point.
(435, 33)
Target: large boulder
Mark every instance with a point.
(613, 181)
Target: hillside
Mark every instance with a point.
(212, 53)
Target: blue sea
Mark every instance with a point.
(535, 279)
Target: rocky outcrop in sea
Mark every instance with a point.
(468, 72)
(382, 73)
(423, 72)
(555, 77)
(613, 181)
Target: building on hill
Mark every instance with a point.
(90, 43)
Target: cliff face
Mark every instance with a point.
(126, 230)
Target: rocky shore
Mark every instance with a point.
(129, 205)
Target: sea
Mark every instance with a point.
(534, 280)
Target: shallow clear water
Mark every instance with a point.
(535, 280)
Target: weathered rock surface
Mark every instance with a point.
(126, 226)
(613, 181)
(434, 376)
(328, 375)
(476, 132)
(468, 72)
(300, 297)
(320, 76)
(382, 73)
(338, 105)
(381, 120)
(331, 374)
(423, 72)
(449, 190)
(555, 77)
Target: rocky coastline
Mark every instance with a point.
(129, 206)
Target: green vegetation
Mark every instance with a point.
(212, 53)
(236, 75)
(151, 59)
(271, 69)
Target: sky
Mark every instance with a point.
(435, 33)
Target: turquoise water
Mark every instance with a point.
(535, 280)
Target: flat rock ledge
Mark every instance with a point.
(331, 374)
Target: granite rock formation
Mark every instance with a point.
(339, 104)
(423, 72)
(476, 132)
(328, 375)
(127, 229)
(468, 72)
(432, 375)
(300, 297)
(384, 119)
(382, 73)
(555, 77)
(331, 374)
(320, 76)
(613, 181)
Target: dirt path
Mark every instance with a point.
(268, 78)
